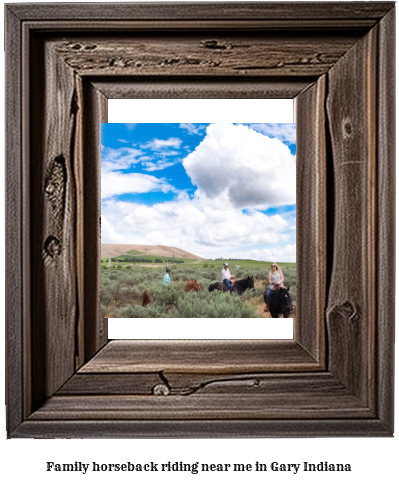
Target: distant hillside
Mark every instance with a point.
(115, 250)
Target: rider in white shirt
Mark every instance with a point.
(227, 277)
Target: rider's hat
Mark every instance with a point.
(226, 264)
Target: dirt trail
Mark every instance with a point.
(260, 310)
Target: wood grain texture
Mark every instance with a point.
(184, 384)
(311, 227)
(115, 428)
(352, 126)
(311, 168)
(241, 55)
(14, 207)
(385, 222)
(54, 238)
(183, 389)
(197, 87)
(111, 384)
(208, 11)
(200, 356)
(202, 407)
(95, 331)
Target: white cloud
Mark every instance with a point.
(117, 183)
(123, 141)
(114, 182)
(156, 166)
(108, 234)
(275, 253)
(158, 144)
(251, 169)
(116, 159)
(199, 226)
(286, 132)
(156, 238)
(234, 168)
(192, 128)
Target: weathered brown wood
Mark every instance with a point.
(202, 383)
(208, 11)
(202, 429)
(200, 356)
(351, 309)
(185, 383)
(94, 113)
(312, 214)
(136, 384)
(311, 218)
(217, 55)
(54, 244)
(204, 407)
(177, 87)
(15, 207)
(385, 224)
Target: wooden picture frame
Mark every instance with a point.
(64, 379)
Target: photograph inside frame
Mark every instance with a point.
(198, 220)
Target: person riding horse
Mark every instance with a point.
(227, 278)
(166, 279)
(276, 280)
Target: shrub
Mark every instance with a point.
(137, 312)
(118, 285)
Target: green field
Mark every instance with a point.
(204, 263)
(245, 263)
(134, 252)
(165, 260)
(123, 285)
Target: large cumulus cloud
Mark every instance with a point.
(253, 170)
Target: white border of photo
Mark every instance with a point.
(200, 111)
(200, 328)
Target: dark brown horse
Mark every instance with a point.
(243, 284)
(239, 286)
(280, 302)
(192, 285)
(147, 298)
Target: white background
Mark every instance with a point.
(373, 460)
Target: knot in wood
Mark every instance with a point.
(161, 390)
(52, 246)
(90, 47)
(347, 128)
(50, 188)
(213, 44)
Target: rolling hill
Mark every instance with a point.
(115, 250)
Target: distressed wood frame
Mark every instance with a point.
(64, 379)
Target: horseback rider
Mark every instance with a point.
(276, 279)
(227, 278)
(166, 279)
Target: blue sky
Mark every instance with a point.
(217, 190)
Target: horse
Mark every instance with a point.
(192, 285)
(147, 298)
(220, 286)
(243, 284)
(239, 287)
(280, 302)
